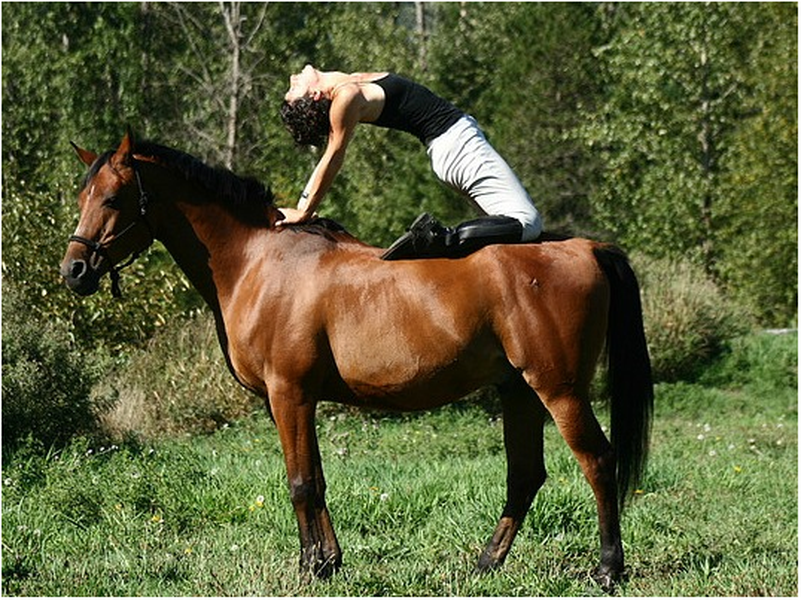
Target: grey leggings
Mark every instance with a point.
(464, 159)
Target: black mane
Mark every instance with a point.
(226, 186)
(238, 193)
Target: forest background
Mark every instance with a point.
(670, 129)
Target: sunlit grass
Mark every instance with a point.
(413, 500)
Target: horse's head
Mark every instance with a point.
(112, 225)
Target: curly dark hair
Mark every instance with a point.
(307, 120)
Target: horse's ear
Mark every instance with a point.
(87, 156)
(122, 157)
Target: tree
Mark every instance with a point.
(758, 237)
(679, 131)
(674, 91)
(73, 71)
(528, 99)
(222, 58)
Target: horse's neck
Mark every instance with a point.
(209, 245)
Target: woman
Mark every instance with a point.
(325, 107)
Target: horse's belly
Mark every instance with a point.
(398, 379)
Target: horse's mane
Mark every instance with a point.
(243, 195)
(227, 187)
(235, 191)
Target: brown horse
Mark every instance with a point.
(306, 313)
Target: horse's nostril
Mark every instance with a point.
(77, 269)
(80, 277)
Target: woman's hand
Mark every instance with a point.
(293, 215)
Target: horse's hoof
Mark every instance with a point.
(321, 567)
(607, 579)
(326, 570)
(488, 561)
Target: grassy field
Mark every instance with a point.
(415, 497)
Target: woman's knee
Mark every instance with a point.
(532, 226)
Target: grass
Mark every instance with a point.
(414, 498)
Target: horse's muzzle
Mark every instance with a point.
(80, 277)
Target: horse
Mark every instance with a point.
(308, 312)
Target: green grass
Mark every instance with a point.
(414, 499)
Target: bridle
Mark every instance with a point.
(102, 249)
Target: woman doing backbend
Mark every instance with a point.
(325, 107)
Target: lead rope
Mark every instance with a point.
(114, 275)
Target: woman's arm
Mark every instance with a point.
(346, 110)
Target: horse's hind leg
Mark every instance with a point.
(523, 419)
(576, 422)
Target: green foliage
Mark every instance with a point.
(668, 128)
(65, 77)
(46, 379)
(673, 84)
(687, 319)
(766, 363)
(759, 202)
(177, 384)
(690, 89)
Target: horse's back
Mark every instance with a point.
(548, 269)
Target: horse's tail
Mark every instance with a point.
(630, 385)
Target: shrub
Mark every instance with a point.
(765, 362)
(178, 383)
(46, 380)
(687, 319)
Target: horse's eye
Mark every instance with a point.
(111, 202)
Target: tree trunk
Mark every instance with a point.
(422, 34)
(233, 25)
(708, 162)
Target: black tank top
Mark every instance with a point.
(415, 109)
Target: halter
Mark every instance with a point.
(102, 249)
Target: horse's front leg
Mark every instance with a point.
(320, 554)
